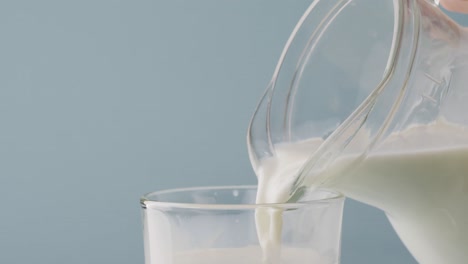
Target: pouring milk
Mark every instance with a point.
(382, 100)
(421, 191)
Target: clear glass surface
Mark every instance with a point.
(217, 225)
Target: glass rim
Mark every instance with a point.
(149, 203)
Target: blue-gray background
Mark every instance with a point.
(102, 101)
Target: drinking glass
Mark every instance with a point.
(212, 225)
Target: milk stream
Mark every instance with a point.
(419, 177)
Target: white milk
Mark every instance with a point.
(250, 255)
(421, 185)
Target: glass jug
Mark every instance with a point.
(370, 98)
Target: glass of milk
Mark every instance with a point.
(211, 225)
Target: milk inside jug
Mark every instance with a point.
(370, 98)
